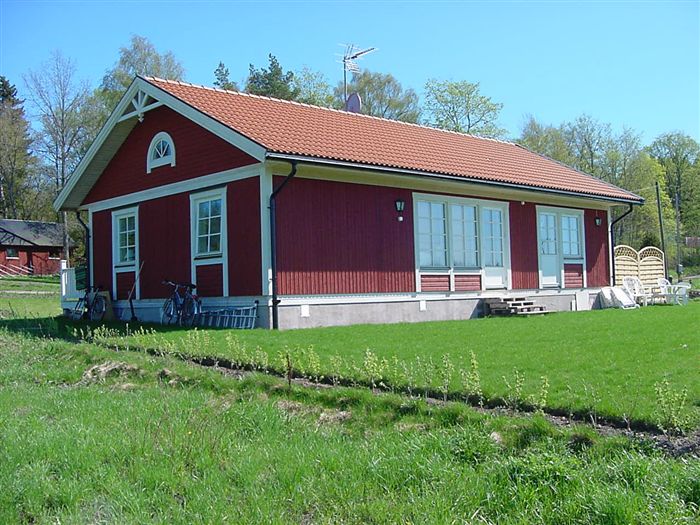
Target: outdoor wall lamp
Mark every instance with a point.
(598, 221)
(399, 204)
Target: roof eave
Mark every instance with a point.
(372, 167)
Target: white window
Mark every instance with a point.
(548, 234)
(126, 239)
(460, 236)
(161, 152)
(12, 253)
(570, 236)
(208, 242)
(125, 245)
(209, 226)
(464, 235)
(432, 234)
(493, 237)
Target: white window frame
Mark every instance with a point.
(11, 256)
(452, 270)
(124, 267)
(209, 258)
(563, 259)
(152, 163)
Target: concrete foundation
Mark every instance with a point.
(315, 311)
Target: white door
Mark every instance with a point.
(550, 266)
(492, 233)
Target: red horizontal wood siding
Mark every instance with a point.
(197, 152)
(210, 280)
(434, 283)
(597, 249)
(467, 283)
(523, 246)
(337, 238)
(125, 281)
(244, 251)
(573, 276)
(164, 244)
(102, 249)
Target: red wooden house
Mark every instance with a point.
(30, 247)
(328, 217)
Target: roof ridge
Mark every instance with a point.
(342, 112)
(29, 220)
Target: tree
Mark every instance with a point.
(16, 161)
(547, 140)
(459, 106)
(8, 92)
(62, 108)
(312, 88)
(641, 227)
(588, 140)
(271, 82)
(382, 96)
(222, 81)
(679, 155)
(140, 58)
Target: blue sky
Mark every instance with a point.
(630, 63)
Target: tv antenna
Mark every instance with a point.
(352, 53)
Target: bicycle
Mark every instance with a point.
(92, 305)
(183, 307)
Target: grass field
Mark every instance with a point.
(162, 441)
(603, 362)
(167, 442)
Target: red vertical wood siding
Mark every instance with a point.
(210, 280)
(597, 249)
(197, 152)
(164, 244)
(244, 250)
(467, 283)
(573, 276)
(102, 249)
(336, 238)
(523, 245)
(434, 283)
(125, 281)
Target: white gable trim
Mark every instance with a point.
(189, 185)
(140, 85)
(251, 147)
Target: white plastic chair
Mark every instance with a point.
(635, 289)
(674, 293)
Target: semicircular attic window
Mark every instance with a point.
(161, 152)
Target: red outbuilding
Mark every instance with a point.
(30, 247)
(328, 217)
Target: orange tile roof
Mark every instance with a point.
(286, 127)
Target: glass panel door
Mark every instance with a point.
(550, 265)
(492, 234)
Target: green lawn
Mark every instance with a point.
(605, 362)
(42, 283)
(168, 442)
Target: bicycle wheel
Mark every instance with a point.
(97, 308)
(168, 313)
(189, 308)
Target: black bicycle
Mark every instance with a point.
(92, 306)
(182, 306)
